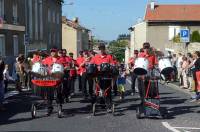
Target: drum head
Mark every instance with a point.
(167, 71)
(140, 71)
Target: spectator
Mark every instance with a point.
(179, 68)
(196, 56)
(184, 73)
(121, 81)
(190, 70)
(7, 78)
(174, 62)
(2, 66)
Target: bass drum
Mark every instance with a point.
(57, 70)
(141, 66)
(91, 69)
(39, 70)
(105, 68)
(165, 66)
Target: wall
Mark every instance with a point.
(69, 39)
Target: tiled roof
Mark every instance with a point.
(173, 13)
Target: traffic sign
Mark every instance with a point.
(26, 39)
(185, 35)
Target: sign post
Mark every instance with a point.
(185, 37)
(26, 43)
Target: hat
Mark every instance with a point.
(135, 51)
(60, 51)
(81, 52)
(102, 46)
(146, 45)
(53, 50)
(71, 54)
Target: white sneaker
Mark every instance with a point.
(194, 100)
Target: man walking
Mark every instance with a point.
(2, 66)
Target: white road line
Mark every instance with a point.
(129, 81)
(188, 128)
(165, 124)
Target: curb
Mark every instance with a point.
(171, 85)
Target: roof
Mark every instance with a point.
(173, 13)
(73, 24)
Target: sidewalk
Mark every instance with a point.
(175, 85)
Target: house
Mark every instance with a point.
(44, 24)
(74, 36)
(162, 23)
(12, 28)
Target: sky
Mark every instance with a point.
(109, 18)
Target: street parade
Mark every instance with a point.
(99, 66)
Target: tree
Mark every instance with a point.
(195, 37)
(117, 48)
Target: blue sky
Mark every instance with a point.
(109, 18)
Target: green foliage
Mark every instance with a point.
(117, 48)
(195, 37)
(177, 39)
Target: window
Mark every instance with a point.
(36, 20)
(54, 16)
(41, 20)
(173, 31)
(30, 18)
(15, 45)
(15, 18)
(49, 15)
(2, 8)
(2, 45)
(49, 39)
(58, 18)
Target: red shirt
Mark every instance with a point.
(79, 61)
(49, 61)
(151, 58)
(99, 59)
(36, 59)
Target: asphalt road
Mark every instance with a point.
(181, 115)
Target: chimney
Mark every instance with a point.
(76, 20)
(152, 4)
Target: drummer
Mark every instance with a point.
(72, 74)
(115, 63)
(67, 62)
(49, 61)
(131, 68)
(103, 57)
(147, 53)
(36, 57)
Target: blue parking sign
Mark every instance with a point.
(185, 35)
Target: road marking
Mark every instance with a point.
(167, 125)
(188, 128)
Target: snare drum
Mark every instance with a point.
(57, 70)
(105, 68)
(39, 70)
(91, 69)
(141, 66)
(165, 66)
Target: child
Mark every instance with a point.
(121, 81)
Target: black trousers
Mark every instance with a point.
(84, 84)
(72, 84)
(6, 86)
(115, 86)
(79, 82)
(91, 85)
(133, 80)
(105, 84)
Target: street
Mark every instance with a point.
(181, 115)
